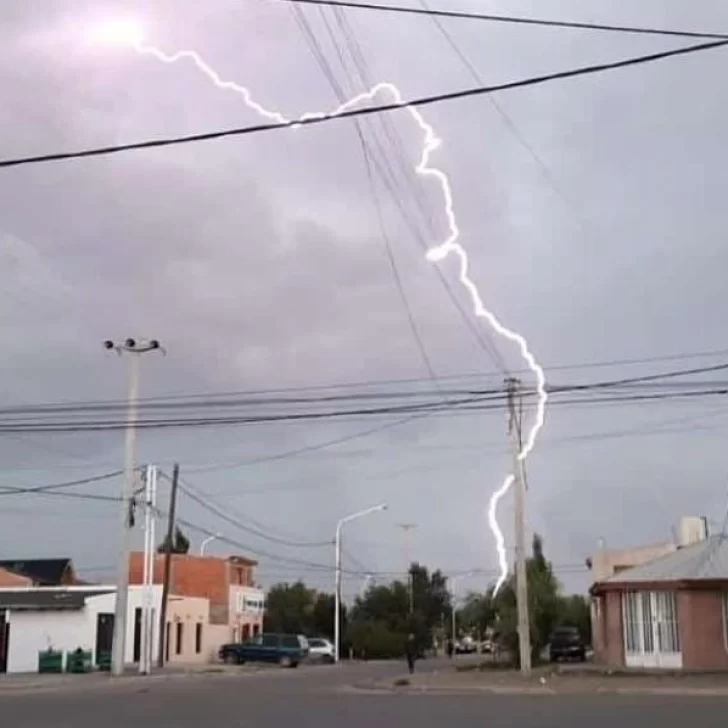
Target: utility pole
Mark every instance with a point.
(136, 349)
(514, 429)
(406, 528)
(167, 567)
(150, 503)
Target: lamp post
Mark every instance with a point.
(209, 539)
(454, 580)
(136, 349)
(337, 590)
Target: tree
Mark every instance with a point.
(296, 609)
(477, 613)
(180, 543)
(544, 603)
(381, 619)
(575, 612)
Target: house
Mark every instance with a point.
(37, 572)
(236, 604)
(34, 619)
(670, 612)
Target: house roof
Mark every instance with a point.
(45, 599)
(706, 560)
(48, 572)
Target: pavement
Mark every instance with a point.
(325, 697)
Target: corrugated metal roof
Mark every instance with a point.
(704, 560)
(43, 599)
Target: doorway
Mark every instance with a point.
(137, 634)
(4, 642)
(104, 635)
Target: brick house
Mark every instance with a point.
(671, 612)
(236, 604)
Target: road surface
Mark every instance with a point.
(324, 697)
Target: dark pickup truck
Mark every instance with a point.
(286, 650)
(565, 643)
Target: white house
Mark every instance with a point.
(33, 620)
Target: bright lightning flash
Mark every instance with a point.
(129, 34)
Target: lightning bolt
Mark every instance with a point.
(436, 253)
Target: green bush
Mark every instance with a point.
(376, 641)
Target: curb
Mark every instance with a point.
(383, 689)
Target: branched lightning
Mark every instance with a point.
(435, 254)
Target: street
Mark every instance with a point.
(325, 697)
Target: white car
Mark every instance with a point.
(320, 650)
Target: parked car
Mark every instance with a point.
(321, 650)
(466, 646)
(287, 650)
(486, 647)
(565, 643)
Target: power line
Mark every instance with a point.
(367, 111)
(437, 408)
(205, 502)
(52, 488)
(508, 19)
(212, 396)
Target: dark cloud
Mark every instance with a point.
(259, 262)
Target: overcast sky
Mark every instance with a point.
(593, 213)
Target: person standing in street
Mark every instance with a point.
(411, 653)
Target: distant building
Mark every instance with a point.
(236, 604)
(667, 612)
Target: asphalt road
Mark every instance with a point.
(322, 697)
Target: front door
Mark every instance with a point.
(104, 634)
(4, 642)
(137, 634)
(651, 635)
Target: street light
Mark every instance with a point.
(453, 580)
(136, 349)
(337, 590)
(209, 539)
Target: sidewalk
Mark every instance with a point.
(546, 681)
(18, 683)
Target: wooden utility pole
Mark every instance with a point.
(524, 629)
(167, 567)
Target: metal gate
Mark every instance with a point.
(650, 627)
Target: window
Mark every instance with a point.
(270, 640)
(180, 634)
(198, 637)
(650, 623)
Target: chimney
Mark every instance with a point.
(691, 530)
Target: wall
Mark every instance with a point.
(607, 562)
(189, 612)
(702, 637)
(34, 632)
(245, 619)
(608, 640)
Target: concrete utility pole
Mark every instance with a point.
(337, 589)
(136, 349)
(167, 567)
(407, 528)
(514, 429)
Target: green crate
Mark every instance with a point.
(103, 661)
(79, 661)
(50, 661)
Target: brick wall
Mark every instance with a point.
(8, 578)
(702, 637)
